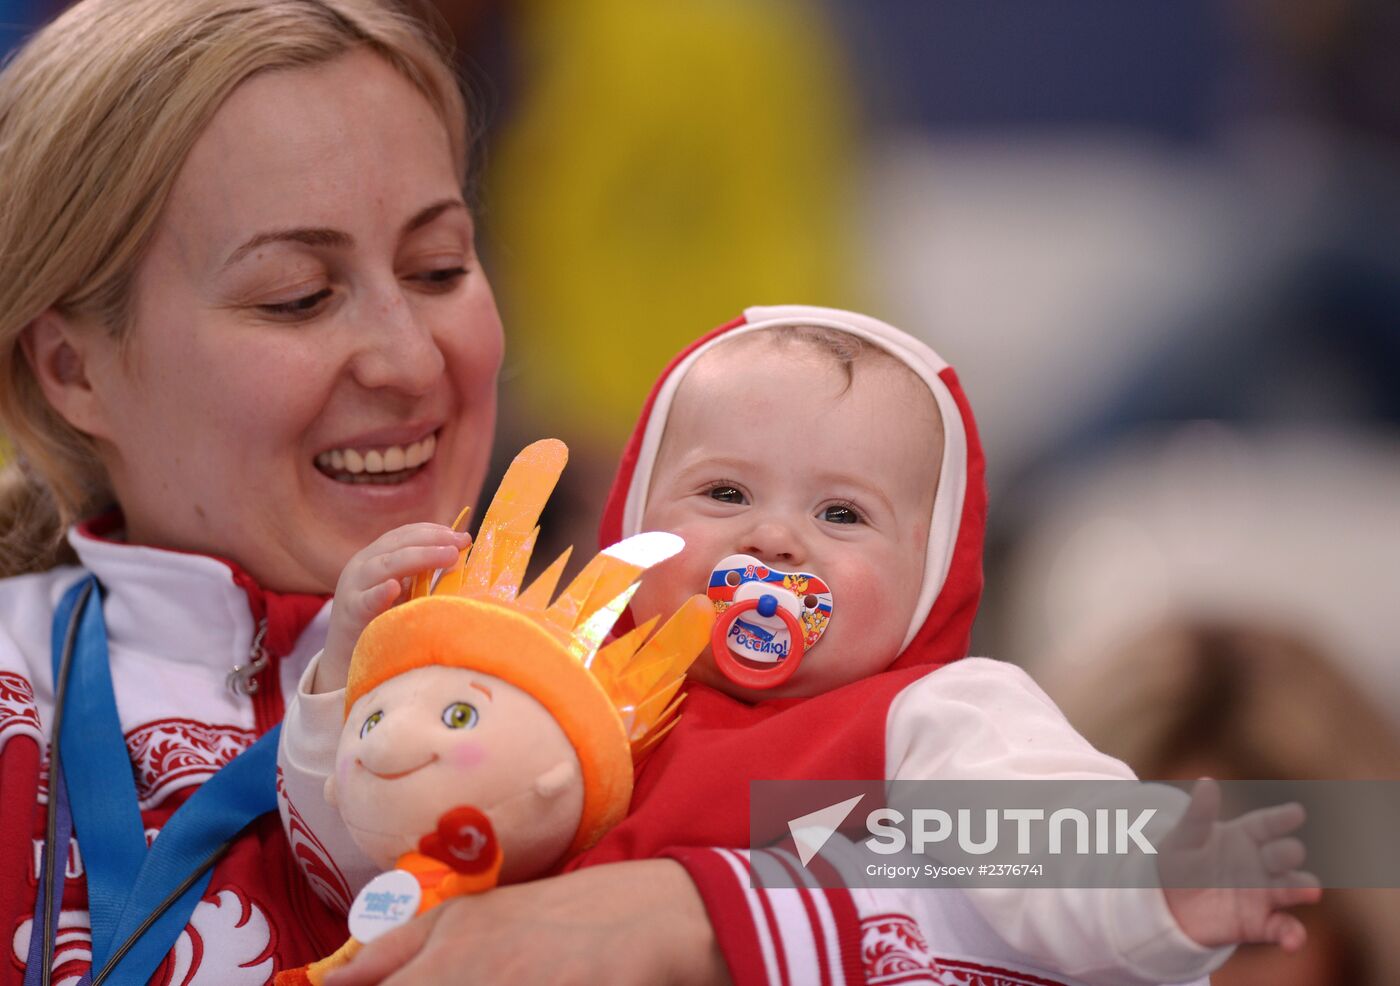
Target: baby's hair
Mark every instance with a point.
(843, 349)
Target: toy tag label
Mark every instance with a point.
(387, 901)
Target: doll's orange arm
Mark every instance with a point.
(440, 882)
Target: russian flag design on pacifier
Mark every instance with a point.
(766, 617)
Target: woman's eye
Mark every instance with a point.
(841, 513)
(440, 279)
(460, 715)
(726, 494)
(303, 307)
(370, 723)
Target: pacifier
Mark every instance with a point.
(767, 620)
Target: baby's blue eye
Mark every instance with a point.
(460, 715)
(370, 723)
(726, 494)
(840, 513)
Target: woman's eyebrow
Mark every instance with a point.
(427, 215)
(311, 236)
(318, 236)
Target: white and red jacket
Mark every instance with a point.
(177, 624)
(934, 714)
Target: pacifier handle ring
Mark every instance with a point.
(736, 672)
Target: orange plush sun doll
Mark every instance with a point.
(491, 732)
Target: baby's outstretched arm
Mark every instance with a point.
(1236, 879)
(370, 583)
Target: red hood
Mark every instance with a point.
(942, 624)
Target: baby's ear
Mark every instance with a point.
(330, 791)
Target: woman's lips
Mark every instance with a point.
(384, 464)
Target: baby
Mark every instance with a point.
(829, 461)
(824, 472)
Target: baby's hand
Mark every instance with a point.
(372, 580)
(1255, 854)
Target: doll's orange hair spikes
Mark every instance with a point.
(613, 700)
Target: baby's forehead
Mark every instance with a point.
(829, 364)
(848, 394)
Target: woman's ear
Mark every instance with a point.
(58, 352)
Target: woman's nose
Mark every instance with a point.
(396, 350)
(775, 541)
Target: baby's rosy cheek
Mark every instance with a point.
(466, 754)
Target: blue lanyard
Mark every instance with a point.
(139, 900)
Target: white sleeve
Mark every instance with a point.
(978, 719)
(938, 930)
(333, 864)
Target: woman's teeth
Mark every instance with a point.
(378, 465)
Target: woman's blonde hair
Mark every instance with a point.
(97, 114)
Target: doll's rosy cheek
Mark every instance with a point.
(466, 754)
(344, 766)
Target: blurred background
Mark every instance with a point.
(1160, 241)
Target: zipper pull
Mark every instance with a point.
(242, 678)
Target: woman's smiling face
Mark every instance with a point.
(313, 351)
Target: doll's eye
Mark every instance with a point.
(459, 715)
(370, 723)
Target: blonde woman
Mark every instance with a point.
(243, 332)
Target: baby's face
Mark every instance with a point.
(764, 455)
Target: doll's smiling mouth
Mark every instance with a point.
(397, 775)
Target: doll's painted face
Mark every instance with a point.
(435, 738)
